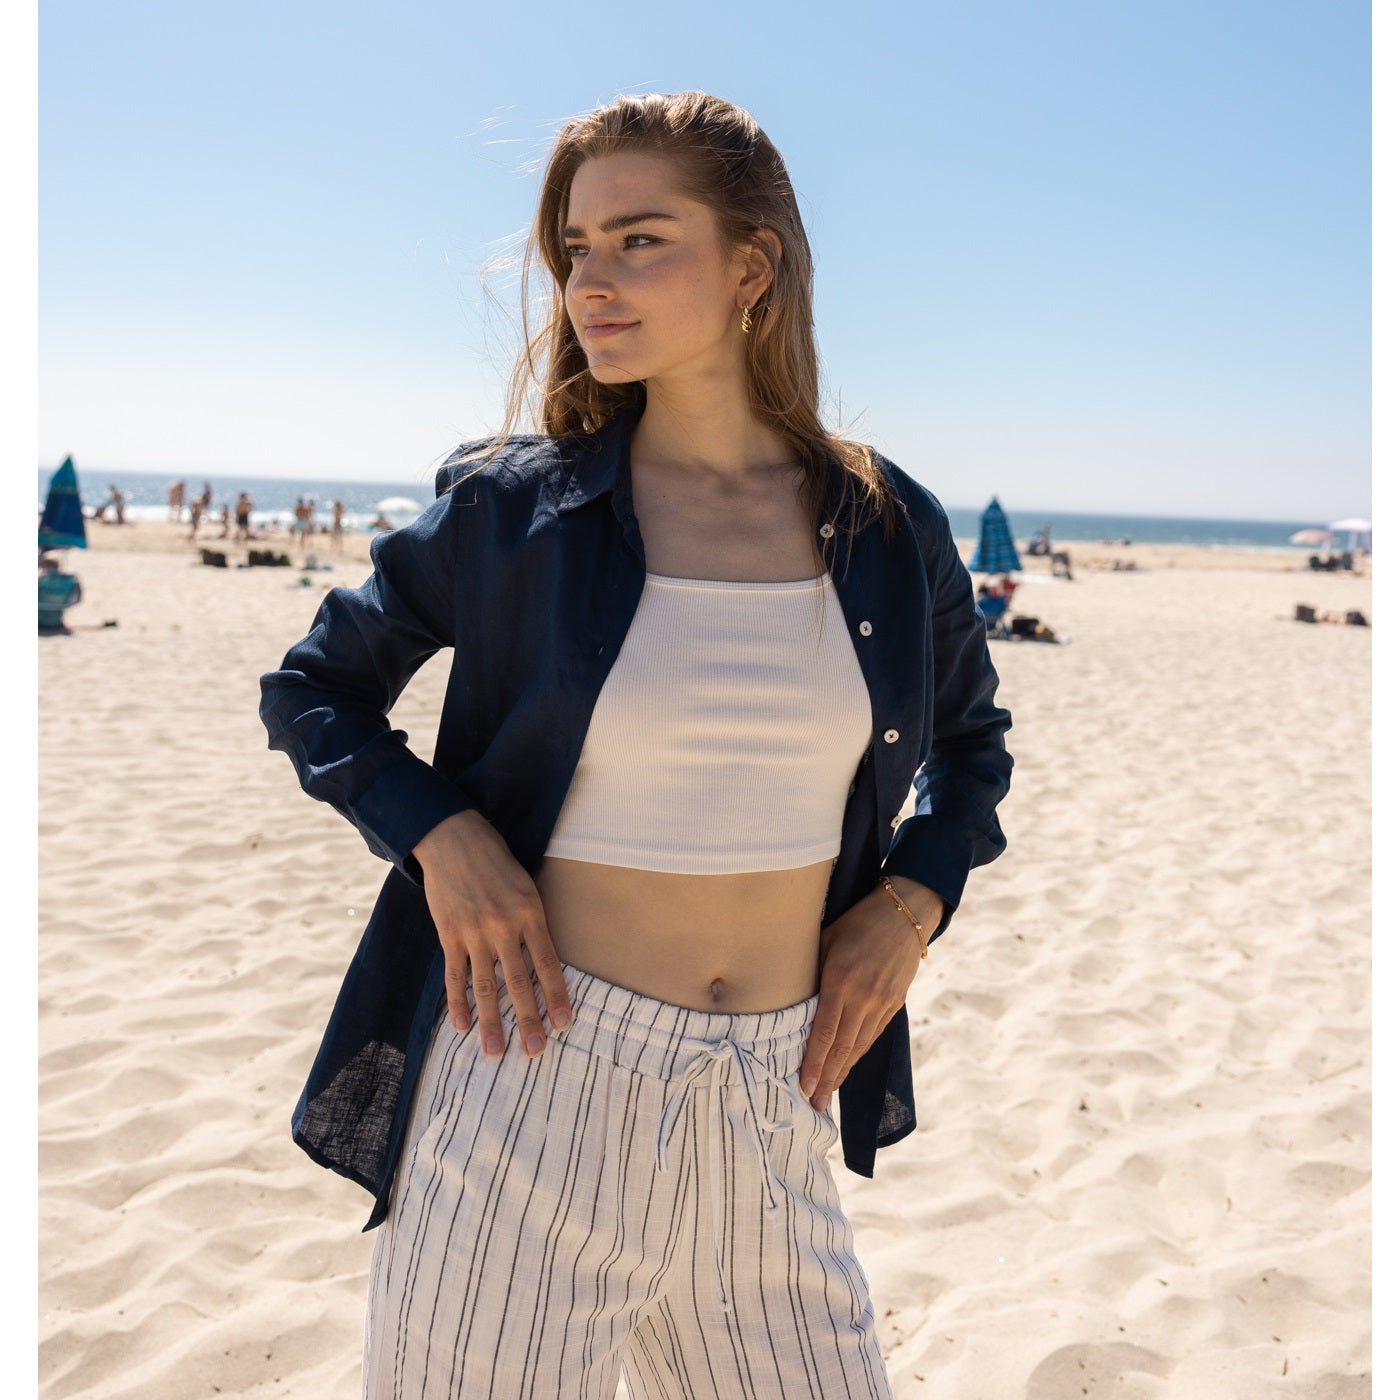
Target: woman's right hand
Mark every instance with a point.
(488, 911)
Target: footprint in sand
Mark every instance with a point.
(1117, 1371)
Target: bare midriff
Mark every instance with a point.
(746, 942)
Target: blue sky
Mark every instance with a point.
(1087, 256)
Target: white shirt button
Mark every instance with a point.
(827, 531)
(891, 736)
(894, 821)
(865, 629)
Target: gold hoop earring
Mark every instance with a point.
(745, 320)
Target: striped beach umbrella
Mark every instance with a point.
(61, 525)
(996, 550)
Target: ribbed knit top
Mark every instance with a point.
(726, 735)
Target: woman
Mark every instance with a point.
(653, 903)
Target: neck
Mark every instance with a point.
(708, 429)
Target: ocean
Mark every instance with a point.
(274, 499)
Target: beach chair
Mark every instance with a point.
(993, 607)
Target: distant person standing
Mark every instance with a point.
(242, 515)
(225, 518)
(116, 503)
(176, 500)
(338, 524)
(196, 515)
(57, 591)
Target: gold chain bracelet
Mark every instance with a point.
(909, 913)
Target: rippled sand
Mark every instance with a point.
(1142, 1049)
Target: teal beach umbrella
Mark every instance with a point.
(996, 550)
(61, 525)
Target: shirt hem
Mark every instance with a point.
(694, 862)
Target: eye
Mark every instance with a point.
(630, 240)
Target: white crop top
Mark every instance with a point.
(726, 735)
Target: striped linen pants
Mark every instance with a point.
(648, 1198)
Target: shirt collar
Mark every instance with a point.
(603, 462)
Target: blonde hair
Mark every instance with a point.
(725, 161)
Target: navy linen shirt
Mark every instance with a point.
(531, 569)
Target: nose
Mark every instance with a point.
(590, 279)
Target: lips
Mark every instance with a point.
(600, 330)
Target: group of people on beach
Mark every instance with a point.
(237, 520)
(242, 514)
(304, 521)
(199, 506)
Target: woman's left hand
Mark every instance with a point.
(868, 959)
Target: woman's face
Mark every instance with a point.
(652, 294)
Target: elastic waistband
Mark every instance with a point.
(662, 1040)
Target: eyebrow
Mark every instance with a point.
(617, 221)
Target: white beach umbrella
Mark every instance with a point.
(398, 505)
(1310, 537)
(1354, 528)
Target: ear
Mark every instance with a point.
(760, 258)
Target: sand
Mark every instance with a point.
(1142, 1050)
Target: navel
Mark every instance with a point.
(718, 991)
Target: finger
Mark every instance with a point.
(853, 1038)
(838, 1057)
(549, 971)
(454, 981)
(488, 1011)
(819, 1042)
(520, 987)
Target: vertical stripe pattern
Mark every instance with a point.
(649, 1197)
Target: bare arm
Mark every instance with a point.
(868, 960)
